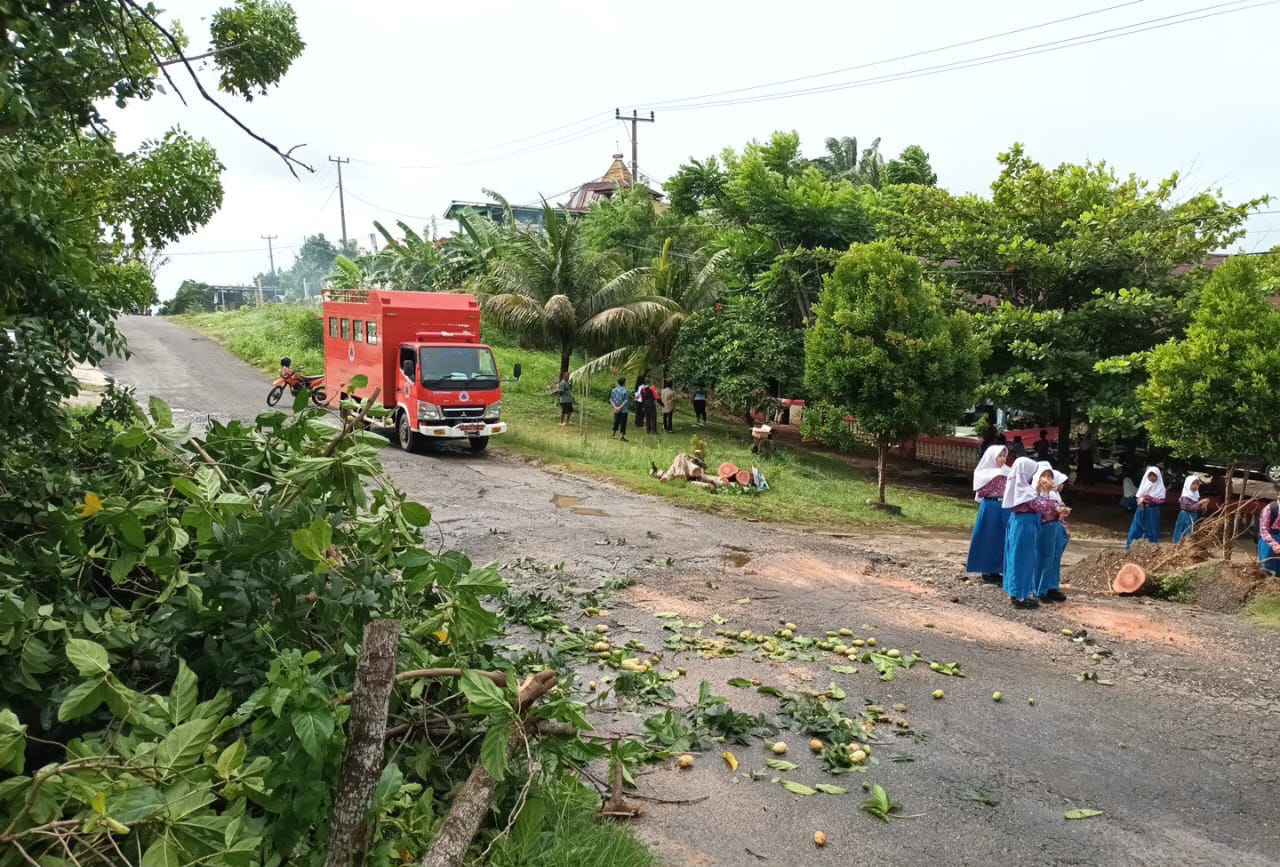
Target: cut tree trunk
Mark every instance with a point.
(472, 802)
(366, 732)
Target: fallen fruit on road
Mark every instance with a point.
(730, 760)
(685, 761)
(1068, 633)
(819, 839)
(996, 696)
(815, 745)
(858, 756)
(937, 693)
(778, 748)
(601, 628)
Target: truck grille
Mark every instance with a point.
(463, 413)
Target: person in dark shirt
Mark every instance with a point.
(1044, 448)
(1017, 449)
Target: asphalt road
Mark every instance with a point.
(1182, 753)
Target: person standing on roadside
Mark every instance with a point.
(668, 405)
(619, 397)
(639, 402)
(1022, 538)
(700, 405)
(565, 391)
(986, 545)
(1190, 506)
(1054, 537)
(1269, 537)
(1146, 518)
(649, 408)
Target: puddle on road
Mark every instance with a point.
(564, 501)
(736, 560)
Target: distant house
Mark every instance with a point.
(618, 177)
(524, 215)
(235, 297)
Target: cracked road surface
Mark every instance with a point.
(1181, 752)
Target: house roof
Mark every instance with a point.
(618, 177)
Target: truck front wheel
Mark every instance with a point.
(409, 439)
(479, 444)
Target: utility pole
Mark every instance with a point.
(634, 119)
(373, 243)
(271, 256)
(342, 205)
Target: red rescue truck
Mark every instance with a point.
(423, 350)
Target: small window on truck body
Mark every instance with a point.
(346, 329)
(358, 329)
(371, 330)
(333, 326)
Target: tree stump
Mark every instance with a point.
(1130, 580)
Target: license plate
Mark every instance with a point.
(470, 428)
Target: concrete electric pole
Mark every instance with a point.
(271, 256)
(342, 204)
(633, 120)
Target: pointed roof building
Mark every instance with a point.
(618, 177)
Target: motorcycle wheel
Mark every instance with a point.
(319, 396)
(274, 395)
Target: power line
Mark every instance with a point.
(560, 140)
(389, 210)
(900, 57)
(225, 252)
(997, 57)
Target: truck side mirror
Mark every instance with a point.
(407, 367)
(516, 370)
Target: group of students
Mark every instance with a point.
(1021, 531)
(646, 399)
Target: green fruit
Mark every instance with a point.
(846, 632)
(894, 654)
(1031, 701)
(996, 696)
(937, 693)
(871, 642)
(1068, 633)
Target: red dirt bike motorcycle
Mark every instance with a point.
(296, 383)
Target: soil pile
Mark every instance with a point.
(1186, 573)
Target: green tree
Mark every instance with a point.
(649, 317)
(1208, 393)
(191, 297)
(545, 284)
(883, 347)
(411, 263)
(474, 248)
(1069, 267)
(911, 167)
(312, 264)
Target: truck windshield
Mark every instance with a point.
(455, 368)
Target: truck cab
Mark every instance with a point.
(448, 391)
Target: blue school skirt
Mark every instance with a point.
(1146, 525)
(1053, 541)
(1022, 554)
(986, 547)
(1269, 560)
(1186, 522)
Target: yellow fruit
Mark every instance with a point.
(858, 756)
(815, 745)
(937, 693)
(591, 684)
(791, 626)
(900, 708)
(778, 748)
(894, 654)
(840, 649)
(1031, 701)
(744, 635)
(857, 642)
(787, 634)
(685, 761)
(846, 632)
(1068, 633)
(819, 839)
(601, 628)
(875, 708)
(599, 646)
(996, 696)
(871, 642)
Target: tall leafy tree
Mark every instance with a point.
(910, 167)
(546, 285)
(884, 347)
(1068, 266)
(1209, 393)
(413, 262)
(192, 297)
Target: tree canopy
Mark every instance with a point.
(1068, 266)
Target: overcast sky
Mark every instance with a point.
(435, 101)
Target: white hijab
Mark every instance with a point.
(1059, 479)
(987, 469)
(1021, 487)
(1187, 491)
(1149, 488)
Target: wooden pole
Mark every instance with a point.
(363, 762)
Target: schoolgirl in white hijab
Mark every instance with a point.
(1151, 490)
(1146, 518)
(1022, 538)
(990, 467)
(1187, 517)
(986, 545)
(1021, 487)
(1053, 542)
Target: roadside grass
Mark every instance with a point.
(1264, 609)
(261, 335)
(571, 835)
(805, 487)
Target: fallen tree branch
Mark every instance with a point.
(355, 421)
(472, 803)
(366, 732)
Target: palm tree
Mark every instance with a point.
(544, 283)
(413, 263)
(841, 160)
(471, 252)
(654, 302)
(348, 274)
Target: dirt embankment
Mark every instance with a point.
(1184, 573)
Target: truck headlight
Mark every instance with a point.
(493, 411)
(428, 411)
